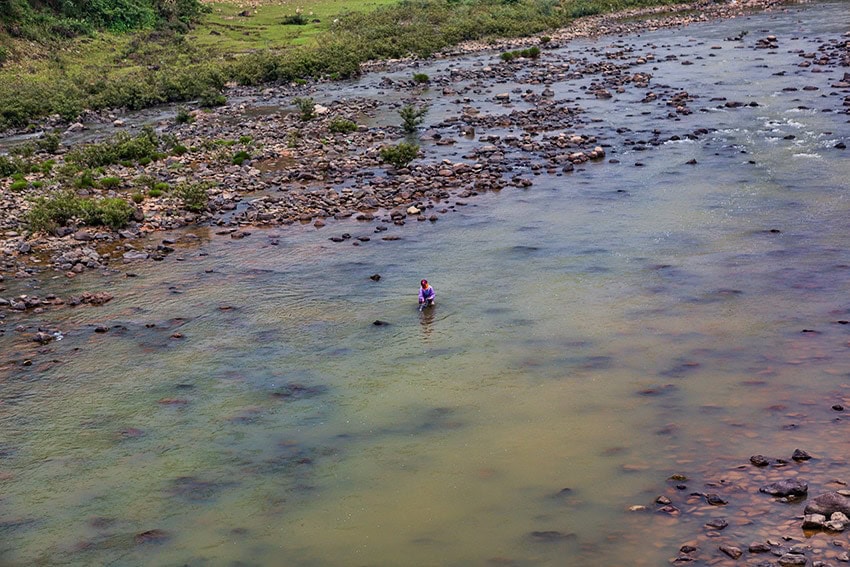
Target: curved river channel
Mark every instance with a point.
(594, 335)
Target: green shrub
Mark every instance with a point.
(544, 39)
(109, 182)
(113, 212)
(342, 126)
(4, 55)
(19, 185)
(155, 193)
(137, 197)
(160, 186)
(420, 78)
(84, 180)
(49, 142)
(244, 140)
(48, 213)
(306, 107)
(123, 147)
(183, 116)
(179, 150)
(193, 196)
(400, 155)
(412, 117)
(211, 98)
(297, 20)
(240, 157)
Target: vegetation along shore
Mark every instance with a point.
(77, 206)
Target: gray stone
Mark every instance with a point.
(82, 236)
(813, 521)
(135, 255)
(828, 504)
(790, 559)
(787, 487)
(731, 551)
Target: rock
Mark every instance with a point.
(25, 248)
(75, 127)
(379, 323)
(375, 277)
(787, 487)
(151, 536)
(813, 521)
(135, 255)
(413, 211)
(829, 503)
(790, 559)
(758, 547)
(717, 524)
(82, 236)
(731, 551)
(800, 455)
(715, 500)
(759, 460)
(42, 338)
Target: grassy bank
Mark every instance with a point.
(270, 42)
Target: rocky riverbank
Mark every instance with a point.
(296, 170)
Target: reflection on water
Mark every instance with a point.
(596, 335)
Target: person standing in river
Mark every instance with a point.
(427, 295)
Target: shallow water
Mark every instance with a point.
(597, 332)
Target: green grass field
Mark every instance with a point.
(263, 28)
(256, 42)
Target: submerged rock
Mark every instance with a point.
(787, 487)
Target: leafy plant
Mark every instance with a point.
(342, 126)
(420, 78)
(109, 182)
(56, 210)
(123, 147)
(137, 197)
(211, 98)
(155, 193)
(18, 185)
(400, 155)
(193, 196)
(240, 157)
(295, 20)
(412, 117)
(183, 116)
(306, 107)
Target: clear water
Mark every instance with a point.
(584, 338)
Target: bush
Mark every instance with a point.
(123, 147)
(400, 155)
(109, 182)
(161, 187)
(179, 150)
(412, 117)
(19, 185)
(183, 116)
(530, 53)
(211, 98)
(193, 196)
(420, 78)
(342, 126)
(137, 197)
(85, 180)
(49, 142)
(306, 106)
(47, 213)
(241, 157)
(297, 20)
(155, 193)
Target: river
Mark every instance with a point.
(593, 336)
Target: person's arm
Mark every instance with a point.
(421, 295)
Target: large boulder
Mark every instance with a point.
(829, 503)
